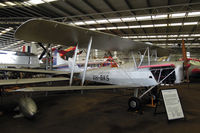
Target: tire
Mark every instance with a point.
(134, 104)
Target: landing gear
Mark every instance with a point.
(134, 104)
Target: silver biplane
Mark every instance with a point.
(126, 76)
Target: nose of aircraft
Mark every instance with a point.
(27, 107)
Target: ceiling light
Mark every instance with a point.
(160, 25)
(146, 26)
(114, 20)
(144, 18)
(1, 4)
(79, 23)
(90, 22)
(128, 19)
(177, 15)
(102, 21)
(190, 23)
(111, 28)
(36, 2)
(134, 26)
(192, 14)
(122, 27)
(10, 3)
(175, 24)
(159, 16)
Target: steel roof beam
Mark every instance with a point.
(98, 11)
(113, 9)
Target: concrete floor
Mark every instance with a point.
(104, 112)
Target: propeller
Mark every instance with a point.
(44, 50)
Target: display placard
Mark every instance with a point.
(172, 104)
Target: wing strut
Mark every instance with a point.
(135, 64)
(142, 57)
(86, 61)
(74, 62)
(149, 60)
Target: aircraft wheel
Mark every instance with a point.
(134, 104)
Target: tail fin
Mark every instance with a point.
(57, 60)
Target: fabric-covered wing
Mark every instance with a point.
(30, 81)
(46, 31)
(68, 88)
(39, 71)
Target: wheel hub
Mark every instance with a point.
(133, 104)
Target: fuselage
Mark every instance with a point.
(127, 75)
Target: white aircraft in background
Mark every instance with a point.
(125, 76)
(18, 59)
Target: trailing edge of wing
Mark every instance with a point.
(46, 31)
(68, 88)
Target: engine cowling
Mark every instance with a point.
(27, 107)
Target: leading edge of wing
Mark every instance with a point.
(68, 88)
(47, 31)
(39, 71)
(30, 81)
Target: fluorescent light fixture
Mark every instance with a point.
(93, 29)
(175, 24)
(172, 35)
(1, 4)
(10, 3)
(184, 35)
(171, 39)
(177, 15)
(114, 20)
(192, 14)
(111, 28)
(79, 23)
(190, 23)
(26, 4)
(159, 16)
(134, 26)
(195, 34)
(49, 0)
(103, 28)
(144, 18)
(160, 44)
(146, 26)
(160, 25)
(90, 22)
(102, 21)
(128, 19)
(36, 2)
(163, 36)
(122, 27)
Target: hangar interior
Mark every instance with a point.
(163, 23)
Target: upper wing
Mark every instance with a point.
(47, 31)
